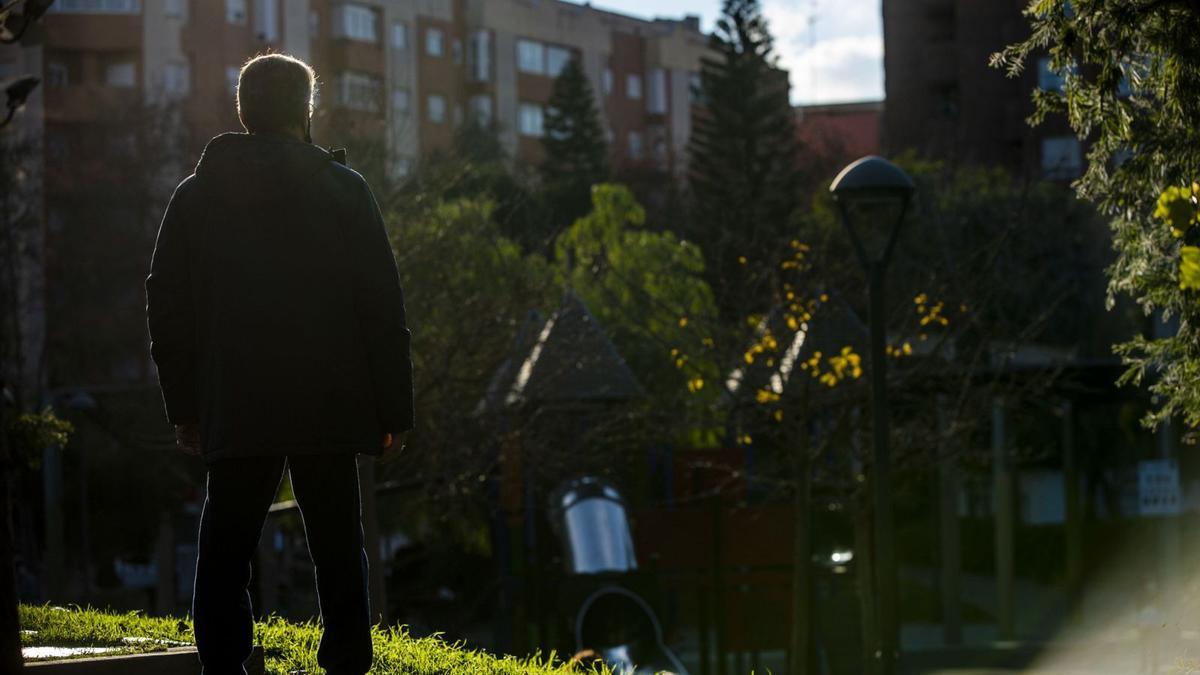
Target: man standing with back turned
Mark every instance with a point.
(277, 324)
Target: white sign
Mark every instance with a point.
(1158, 487)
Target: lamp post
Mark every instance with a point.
(16, 93)
(873, 195)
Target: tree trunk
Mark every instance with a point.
(802, 614)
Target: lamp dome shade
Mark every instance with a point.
(871, 174)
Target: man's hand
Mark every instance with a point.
(392, 445)
(187, 437)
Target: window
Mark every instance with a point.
(529, 119)
(57, 75)
(121, 74)
(231, 78)
(401, 167)
(235, 12)
(606, 81)
(456, 51)
(356, 22)
(359, 91)
(399, 35)
(1048, 80)
(656, 99)
(400, 101)
(531, 57)
(176, 9)
(314, 24)
(1133, 73)
(481, 109)
(657, 136)
(266, 20)
(433, 42)
(435, 108)
(635, 145)
(1062, 158)
(481, 55)
(177, 78)
(97, 7)
(695, 88)
(556, 60)
(633, 86)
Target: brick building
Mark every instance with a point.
(132, 89)
(945, 101)
(404, 72)
(840, 133)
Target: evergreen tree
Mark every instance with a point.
(576, 150)
(744, 174)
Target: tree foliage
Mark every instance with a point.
(576, 150)
(744, 171)
(648, 291)
(1131, 71)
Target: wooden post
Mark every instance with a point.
(801, 638)
(1005, 512)
(10, 636)
(371, 540)
(54, 557)
(718, 589)
(1169, 546)
(164, 553)
(950, 539)
(1073, 511)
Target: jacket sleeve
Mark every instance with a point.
(170, 310)
(379, 304)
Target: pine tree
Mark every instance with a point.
(576, 150)
(744, 172)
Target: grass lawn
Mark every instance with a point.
(289, 647)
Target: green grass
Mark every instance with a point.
(289, 647)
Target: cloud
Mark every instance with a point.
(837, 57)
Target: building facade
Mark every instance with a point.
(132, 89)
(401, 73)
(944, 101)
(839, 133)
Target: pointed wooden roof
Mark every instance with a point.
(566, 358)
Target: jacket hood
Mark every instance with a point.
(255, 160)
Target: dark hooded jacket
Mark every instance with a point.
(275, 309)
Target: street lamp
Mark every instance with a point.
(16, 93)
(873, 195)
(13, 26)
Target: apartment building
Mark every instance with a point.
(840, 133)
(945, 101)
(403, 72)
(132, 89)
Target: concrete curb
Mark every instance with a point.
(176, 660)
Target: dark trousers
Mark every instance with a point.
(240, 492)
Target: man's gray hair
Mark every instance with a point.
(275, 93)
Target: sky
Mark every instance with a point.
(835, 58)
